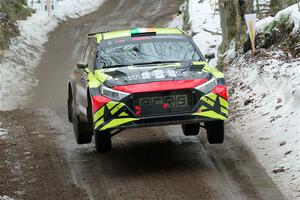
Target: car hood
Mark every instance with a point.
(154, 73)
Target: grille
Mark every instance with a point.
(163, 103)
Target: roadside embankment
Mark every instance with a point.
(265, 97)
(10, 12)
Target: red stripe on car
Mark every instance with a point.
(160, 86)
(98, 102)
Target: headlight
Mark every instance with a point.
(112, 94)
(208, 86)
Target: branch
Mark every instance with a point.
(212, 32)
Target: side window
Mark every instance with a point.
(92, 56)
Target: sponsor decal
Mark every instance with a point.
(156, 74)
(171, 101)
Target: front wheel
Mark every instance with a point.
(215, 132)
(82, 132)
(103, 141)
(190, 129)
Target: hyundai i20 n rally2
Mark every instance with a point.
(144, 77)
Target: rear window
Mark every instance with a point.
(146, 49)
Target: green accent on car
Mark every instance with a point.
(118, 107)
(200, 63)
(208, 101)
(225, 111)
(134, 31)
(129, 32)
(99, 123)
(168, 31)
(214, 71)
(211, 114)
(214, 107)
(98, 114)
(224, 103)
(117, 122)
(116, 34)
(98, 37)
(123, 114)
(102, 77)
(93, 82)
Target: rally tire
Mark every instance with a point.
(190, 129)
(215, 132)
(103, 142)
(70, 105)
(83, 135)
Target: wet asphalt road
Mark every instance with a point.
(149, 163)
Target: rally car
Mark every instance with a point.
(144, 77)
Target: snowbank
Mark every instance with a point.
(265, 107)
(18, 63)
(265, 96)
(291, 12)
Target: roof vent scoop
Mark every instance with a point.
(138, 32)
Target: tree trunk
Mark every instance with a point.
(232, 19)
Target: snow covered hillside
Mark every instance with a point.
(264, 93)
(18, 63)
(265, 103)
(205, 25)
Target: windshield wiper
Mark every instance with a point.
(114, 66)
(157, 62)
(147, 63)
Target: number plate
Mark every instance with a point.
(164, 102)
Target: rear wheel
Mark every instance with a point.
(190, 129)
(103, 142)
(82, 132)
(70, 106)
(215, 132)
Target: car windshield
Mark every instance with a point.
(145, 50)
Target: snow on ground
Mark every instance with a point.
(205, 24)
(18, 63)
(177, 21)
(3, 134)
(5, 198)
(292, 12)
(265, 108)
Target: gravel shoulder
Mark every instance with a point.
(31, 166)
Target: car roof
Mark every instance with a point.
(135, 32)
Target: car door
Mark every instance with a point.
(81, 79)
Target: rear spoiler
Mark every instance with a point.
(95, 33)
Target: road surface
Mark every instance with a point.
(148, 163)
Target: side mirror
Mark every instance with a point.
(210, 56)
(81, 65)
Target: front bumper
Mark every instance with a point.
(116, 115)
